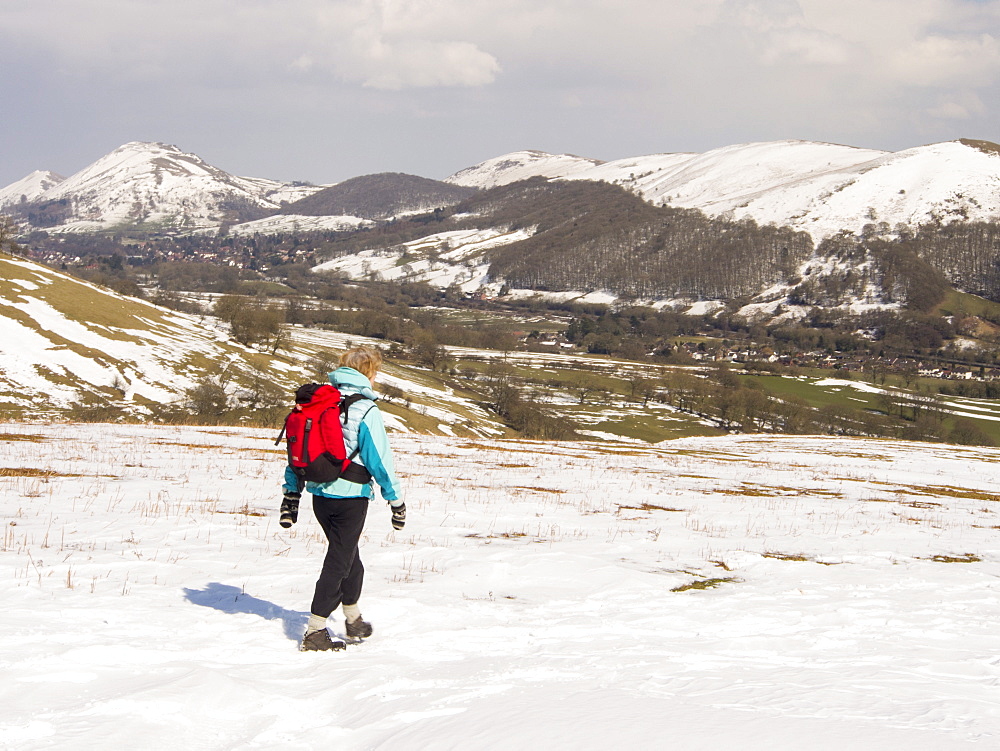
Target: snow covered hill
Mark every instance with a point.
(815, 187)
(29, 188)
(158, 185)
(752, 593)
(66, 345)
(290, 223)
(820, 188)
(521, 165)
(64, 341)
(456, 257)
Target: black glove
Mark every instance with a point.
(398, 516)
(289, 509)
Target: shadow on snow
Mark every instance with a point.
(229, 599)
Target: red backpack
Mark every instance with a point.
(315, 436)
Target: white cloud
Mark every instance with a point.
(397, 44)
(937, 60)
(603, 78)
(949, 111)
(422, 63)
(379, 43)
(961, 106)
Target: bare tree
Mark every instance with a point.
(9, 229)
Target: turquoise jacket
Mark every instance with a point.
(365, 430)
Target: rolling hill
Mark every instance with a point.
(70, 348)
(380, 196)
(152, 186)
(817, 188)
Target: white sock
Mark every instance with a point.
(352, 612)
(316, 623)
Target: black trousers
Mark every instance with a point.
(342, 576)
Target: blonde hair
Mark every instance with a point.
(365, 360)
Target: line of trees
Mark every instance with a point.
(743, 405)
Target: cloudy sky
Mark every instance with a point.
(323, 90)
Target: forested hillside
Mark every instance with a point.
(380, 196)
(592, 236)
(596, 236)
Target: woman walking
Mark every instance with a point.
(341, 506)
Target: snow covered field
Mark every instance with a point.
(741, 592)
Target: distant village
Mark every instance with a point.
(873, 368)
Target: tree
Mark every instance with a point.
(390, 392)
(9, 229)
(639, 387)
(428, 352)
(251, 321)
(583, 385)
(500, 340)
(502, 392)
(207, 398)
(321, 364)
(261, 393)
(966, 432)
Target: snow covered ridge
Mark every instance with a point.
(521, 165)
(289, 223)
(158, 185)
(747, 593)
(65, 342)
(443, 259)
(29, 188)
(818, 188)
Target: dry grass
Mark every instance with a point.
(501, 536)
(650, 507)
(191, 445)
(753, 490)
(964, 558)
(33, 437)
(33, 472)
(940, 491)
(704, 584)
(243, 510)
(786, 556)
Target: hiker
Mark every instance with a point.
(340, 506)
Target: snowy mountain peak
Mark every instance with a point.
(157, 185)
(29, 188)
(134, 163)
(819, 188)
(521, 165)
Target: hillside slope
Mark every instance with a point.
(155, 185)
(64, 341)
(521, 165)
(380, 196)
(817, 188)
(585, 236)
(29, 188)
(67, 346)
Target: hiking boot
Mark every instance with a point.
(358, 629)
(320, 641)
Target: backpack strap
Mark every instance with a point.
(281, 435)
(355, 472)
(347, 401)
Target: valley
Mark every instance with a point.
(536, 295)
